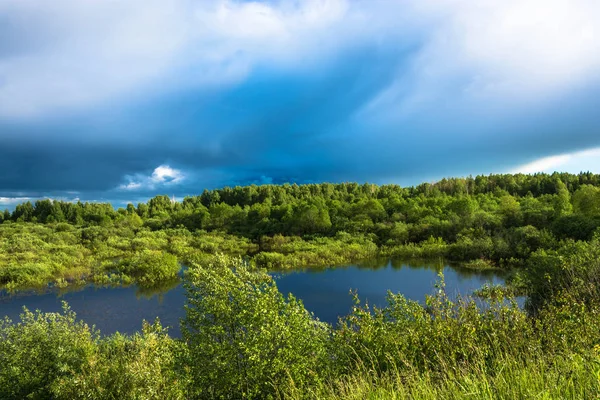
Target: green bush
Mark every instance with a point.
(270, 260)
(151, 266)
(39, 351)
(443, 334)
(572, 272)
(28, 274)
(245, 339)
(142, 366)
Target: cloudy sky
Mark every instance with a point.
(124, 99)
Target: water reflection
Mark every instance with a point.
(326, 291)
(157, 290)
(323, 291)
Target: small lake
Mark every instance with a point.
(323, 291)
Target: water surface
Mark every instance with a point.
(323, 291)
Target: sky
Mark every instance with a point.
(120, 100)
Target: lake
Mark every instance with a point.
(323, 291)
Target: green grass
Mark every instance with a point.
(560, 378)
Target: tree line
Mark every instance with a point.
(501, 218)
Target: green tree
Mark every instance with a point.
(399, 232)
(142, 210)
(141, 366)
(130, 208)
(586, 200)
(310, 218)
(510, 210)
(23, 212)
(245, 339)
(160, 206)
(562, 201)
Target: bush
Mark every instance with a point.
(25, 274)
(410, 338)
(270, 261)
(39, 351)
(245, 339)
(143, 366)
(149, 267)
(571, 272)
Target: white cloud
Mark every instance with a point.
(166, 174)
(543, 164)
(131, 186)
(162, 176)
(73, 55)
(11, 201)
(581, 161)
(495, 54)
(516, 46)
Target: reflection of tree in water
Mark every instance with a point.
(74, 289)
(468, 273)
(7, 294)
(47, 289)
(158, 289)
(384, 262)
(146, 291)
(141, 291)
(373, 263)
(430, 265)
(461, 273)
(435, 265)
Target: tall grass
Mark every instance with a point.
(560, 378)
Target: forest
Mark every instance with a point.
(242, 338)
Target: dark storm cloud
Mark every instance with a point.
(66, 165)
(278, 128)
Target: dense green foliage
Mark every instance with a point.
(492, 221)
(244, 339)
(53, 356)
(34, 254)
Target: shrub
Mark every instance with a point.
(39, 351)
(142, 366)
(245, 339)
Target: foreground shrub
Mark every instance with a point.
(245, 339)
(142, 366)
(539, 378)
(39, 351)
(54, 356)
